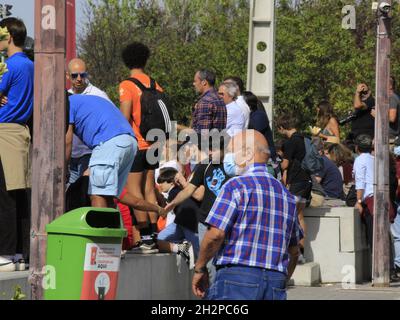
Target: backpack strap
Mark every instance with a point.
(152, 84)
(141, 86)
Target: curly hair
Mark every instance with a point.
(135, 55)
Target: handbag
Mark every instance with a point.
(351, 197)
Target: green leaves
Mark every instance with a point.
(317, 59)
(183, 35)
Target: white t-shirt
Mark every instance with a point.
(245, 109)
(235, 119)
(363, 173)
(79, 149)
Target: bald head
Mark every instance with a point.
(77, 74)
(253, 144)
(76, 64)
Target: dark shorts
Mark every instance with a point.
(141, 163)
(302, 190)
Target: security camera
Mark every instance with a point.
(385, 7)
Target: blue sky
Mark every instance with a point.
(24, 9)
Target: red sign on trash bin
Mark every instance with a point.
(101, 268)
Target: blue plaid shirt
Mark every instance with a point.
(259, 218)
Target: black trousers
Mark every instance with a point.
(15, 219)
(369, 226)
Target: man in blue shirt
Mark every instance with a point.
(103, 128)
(254, 230)
(16, 96)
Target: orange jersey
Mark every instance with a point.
(128, 91)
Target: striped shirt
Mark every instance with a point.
(259, 218)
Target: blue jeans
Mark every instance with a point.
(77, 167)
(175, 233)
(211, 268)
(248, 283)
(395, 229)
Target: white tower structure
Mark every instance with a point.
(261, 60)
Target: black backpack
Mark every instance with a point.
(156, 112)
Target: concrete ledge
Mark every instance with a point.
(9, 282)
(336, 240)
(153, 277)
(307, 274)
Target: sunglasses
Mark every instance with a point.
(82, 75)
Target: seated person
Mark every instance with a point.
(329, 178)
(180, 236)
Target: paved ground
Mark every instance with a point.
(336, 292)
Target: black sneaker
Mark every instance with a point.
(185, 250)
(144, 248)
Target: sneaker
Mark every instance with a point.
(301, 259)
(185, 250)
(21, 265)
(144, 248)
(6, 265)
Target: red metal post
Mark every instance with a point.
(71, 33)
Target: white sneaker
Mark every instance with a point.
(6, 265)
(185, 250)
(301, 259)
(21, 265)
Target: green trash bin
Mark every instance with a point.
(83, 255)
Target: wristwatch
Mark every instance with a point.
(201, 270)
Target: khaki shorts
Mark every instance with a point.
(14, 155)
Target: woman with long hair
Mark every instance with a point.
(327, 123)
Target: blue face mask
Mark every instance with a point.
(230, 166)
(397, 151)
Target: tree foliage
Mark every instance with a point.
(183, 35)
(315, 57)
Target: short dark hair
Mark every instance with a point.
(251, 100)
(286, 121)
(364, 143)
(135, 55)
(238, 81)
(17, 30)
(167, 175)
(208, 75)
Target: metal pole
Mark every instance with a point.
(48, 169)
(381, 245)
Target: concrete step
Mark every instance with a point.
(307, 275)
(10, 281)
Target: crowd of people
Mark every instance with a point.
(225, 196)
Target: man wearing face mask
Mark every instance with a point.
(253, 229)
